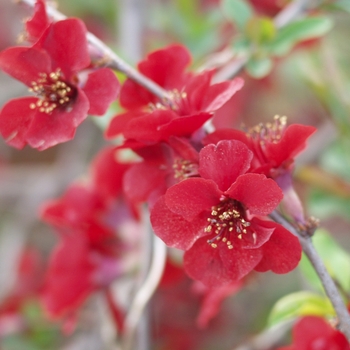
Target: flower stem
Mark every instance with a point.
(319, 267)
(114, 61)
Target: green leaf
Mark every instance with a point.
(260, 30)
(299, 304)
(259, 67)
(336, 259)
(298, 31)
(238, 11)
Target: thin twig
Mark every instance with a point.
(145, 292)
(326, 280)
(114, 61)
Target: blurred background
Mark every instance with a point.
(310, 85)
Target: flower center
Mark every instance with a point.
(269, 132)
(184, 169)
(227, 221)
(52, 91)
(178, 103)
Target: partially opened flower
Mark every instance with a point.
(62, 99)
(192, 99)
(314, 333)
(217, 220)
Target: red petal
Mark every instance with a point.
(39, 22)
(68, 277)
(226, 134)
(25, 64)
(66, 43)
(224, 162)
(107, 173)
(192, 196)
(315, 330)
(293, 142)
(15, 118)
(173, 229)
(218, 94)
(142, 179)
(47, 130)
(218, 266)
(259, 194)
(184, 125)
(148, 127)
(281, 253)
(166, 66)
(101, 88)
(119, 123)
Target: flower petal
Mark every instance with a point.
(25, 64)
(218, 266)
(258, 193)
(224, 162)
(15, 119)
(192, 196)
(66, 43)
(281, 253)
(218, 94)
(47, 130)
(173, 229)
(101, 88)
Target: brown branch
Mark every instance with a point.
(326, 280)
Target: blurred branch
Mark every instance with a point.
(113, 60)
(319, 267)
(145, 292)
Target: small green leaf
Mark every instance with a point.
(299, 304)
(260, 30)
(259, 67)
(297, 31)
(336, 259)
(238, 11)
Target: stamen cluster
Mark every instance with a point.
(52, 91)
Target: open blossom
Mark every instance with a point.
(193, 99)
(217, 219)
(314, 333)
(62, 100)
(275, 146)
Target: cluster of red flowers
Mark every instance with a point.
(210, 194)
(57, 69)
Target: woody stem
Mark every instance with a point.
(328, 284)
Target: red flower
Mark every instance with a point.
(163, 165)
(50, 69)
(314, 333)
(88, 218)
(274, 145)
(215, 219)
(193, 99)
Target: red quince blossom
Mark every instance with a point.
(51, 71)
(162, 166)
(274, 145)
(314, 333)
(217, 220)
(89, 219)
(193, 99)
